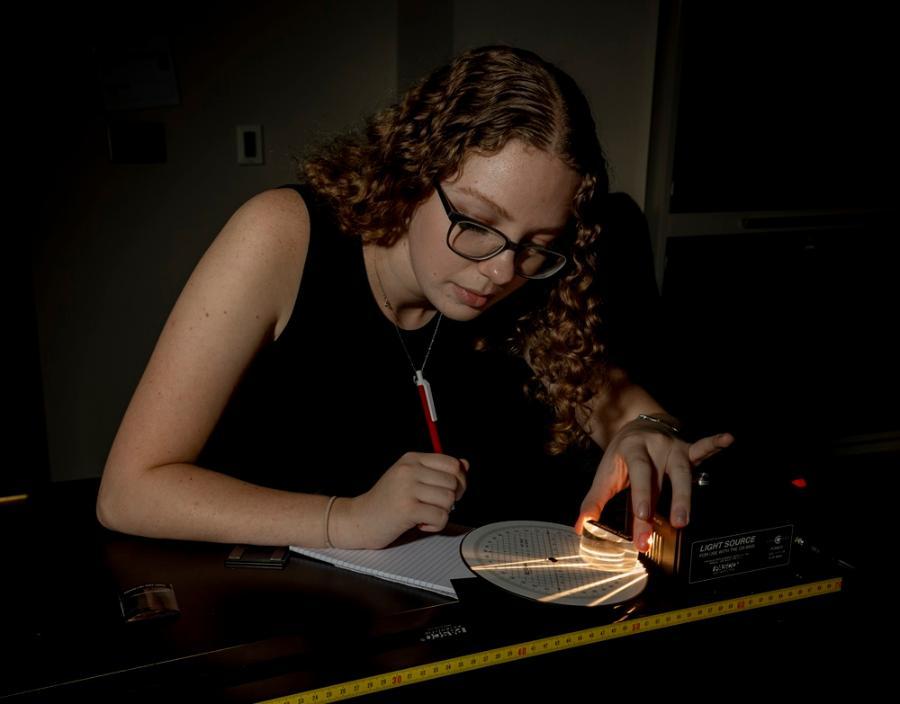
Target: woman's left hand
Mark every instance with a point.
(640, 454)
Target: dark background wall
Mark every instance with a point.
(775, 331)
(771, 195)
(104, 248)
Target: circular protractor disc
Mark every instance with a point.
(542, 561)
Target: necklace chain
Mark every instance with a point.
(387, 304)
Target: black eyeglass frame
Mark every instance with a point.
(456, 217)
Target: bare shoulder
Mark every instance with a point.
(273, 227)
(279, 204)
(278, 214)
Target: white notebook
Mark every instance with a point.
(423, 560)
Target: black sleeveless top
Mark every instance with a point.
(330, 405)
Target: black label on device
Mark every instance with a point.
(728, 555)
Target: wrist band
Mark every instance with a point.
(673, 428)
(327, 514)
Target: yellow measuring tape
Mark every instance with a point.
(543, 646)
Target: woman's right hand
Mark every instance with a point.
(419, 489)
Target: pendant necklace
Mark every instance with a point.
(425, 395)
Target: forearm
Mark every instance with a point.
(187, 502)
(616, 404)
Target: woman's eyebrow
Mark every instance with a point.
(501, 211)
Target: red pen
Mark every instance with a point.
(429, 410)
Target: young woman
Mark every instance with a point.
(347, 358)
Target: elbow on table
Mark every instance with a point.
(114, 511)
(105, 506)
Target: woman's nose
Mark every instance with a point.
(499, 269)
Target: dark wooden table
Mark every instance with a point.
(252, 634)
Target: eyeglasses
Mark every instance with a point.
(476, 242)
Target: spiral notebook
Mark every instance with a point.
(426, 561)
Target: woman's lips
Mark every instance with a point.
(471, 298)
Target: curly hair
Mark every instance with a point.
(377, 177)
